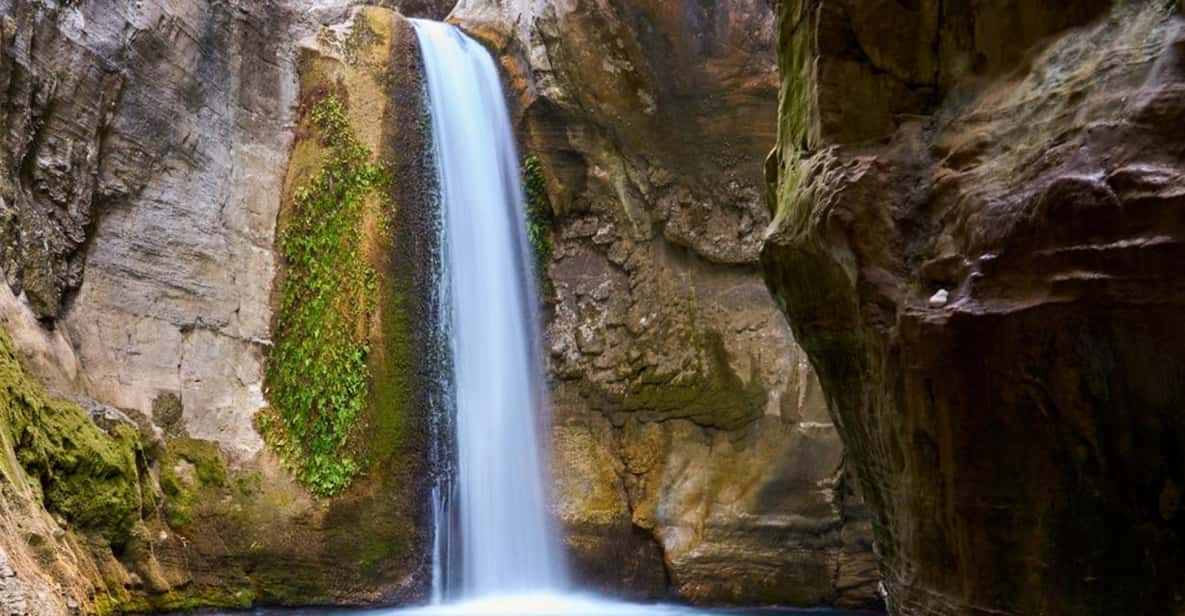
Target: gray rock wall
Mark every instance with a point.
(144, 148)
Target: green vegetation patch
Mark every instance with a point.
(186, 599)
(538, 213)
(88, 476)
(317, 376)
(187, 466)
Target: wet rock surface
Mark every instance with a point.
(976, 242)
(693, 452)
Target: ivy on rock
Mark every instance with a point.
(317, 376)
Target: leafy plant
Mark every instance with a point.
(317, 376)
(538, 212)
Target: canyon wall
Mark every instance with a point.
(693, 452)
(977, 235)
(144, 166)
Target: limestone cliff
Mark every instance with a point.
(977, 231)
(145, 185)
(693, 451)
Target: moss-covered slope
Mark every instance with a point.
(88, 476)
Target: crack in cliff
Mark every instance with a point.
(100, 202)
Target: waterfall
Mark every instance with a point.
(493, 532)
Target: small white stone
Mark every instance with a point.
(939, 299)
(163, 536)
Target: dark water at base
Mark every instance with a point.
(679, 611)
(545, 606)
(640, 610)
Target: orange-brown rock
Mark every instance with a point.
(693, 453)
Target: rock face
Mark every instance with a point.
(143, 144)
(693, 452)
(142, 169)
(154, 135)
(1017, 437)
(428, 9)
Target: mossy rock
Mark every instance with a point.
(187, 467)
(167, 412)
(90, 477)
(715, 396)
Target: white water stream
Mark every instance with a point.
(493, 534)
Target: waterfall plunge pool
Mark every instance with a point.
(545, 605)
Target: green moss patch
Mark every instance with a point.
(188, 466)
(393, 366)
(88, 476)
(123, 602)
(317, 376)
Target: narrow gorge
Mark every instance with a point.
(506, 306)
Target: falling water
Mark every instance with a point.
(493, 535)
(495, 550)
